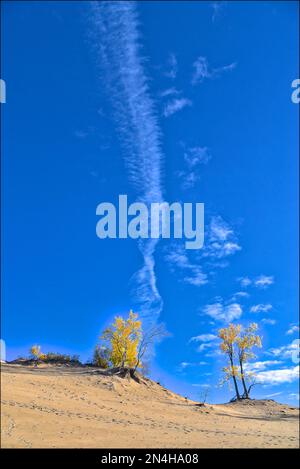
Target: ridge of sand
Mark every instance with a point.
(81, 407)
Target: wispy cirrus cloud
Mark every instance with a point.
(222, 241)
(202, 385)
(217, 8)
(81, 133)
(203, 71)
(274, 394)
(190, 272)
(172, 66)
(203, 338)
(176, 105)
(207, 341)
(196, 268)
(240, 294)
(194, 157)
(183, 366)
(116, 42)
(169, 92)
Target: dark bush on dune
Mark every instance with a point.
(60, 359)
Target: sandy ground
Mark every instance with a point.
(74, 408)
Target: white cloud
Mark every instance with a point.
(221, 240)
(285, 351)
(169, 92)
(216, 353)
(261, 308)
(294, 396)
(263, 281)
(292, 329)
(189, 179)
(225, 68)
(230, 248)
(192, 273)
(204, 385)
(208, 341)
(175, 105)
(242, 294)
(261, 365)
(204, 346)
(244, 281)
(196, 278)
(172, 67)
(221, 312)
(203, 338)
(236, 297)
(274, 394)
(194, 157)
(184, 365)
(275, 377)
(219, 229)
(269, 321)
(80, 134)
(217, 8)
(203, 71)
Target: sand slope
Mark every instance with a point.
(61, 407)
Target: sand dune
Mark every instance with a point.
(63, 407)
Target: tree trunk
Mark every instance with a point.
(123, 359)
(235, 381)
(243, 380)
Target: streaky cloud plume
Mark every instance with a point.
(116, 41)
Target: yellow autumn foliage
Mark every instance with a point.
(123, 338)
(35, 351)
(237, 344)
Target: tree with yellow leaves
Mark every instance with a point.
(124, 344)
(245, 343)
(237, 343)
(229, 336)
(35, 352)
(122, 339)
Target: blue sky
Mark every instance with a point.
(181, 101)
